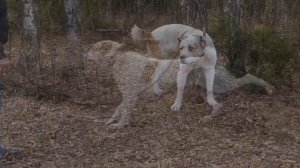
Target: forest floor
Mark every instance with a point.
(254, 130)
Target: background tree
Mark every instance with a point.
(74, 33)
(195, 13)
(30, 56)
(276, 13)
(237, 39)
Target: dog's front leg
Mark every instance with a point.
(209, 78)
(181, 81)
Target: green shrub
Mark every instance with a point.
(269, 54)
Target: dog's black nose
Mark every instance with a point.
(182, 57)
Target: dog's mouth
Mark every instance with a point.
(189, 60)
(182, 61)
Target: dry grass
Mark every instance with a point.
(255, 130)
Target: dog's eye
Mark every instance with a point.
(191, 48)
(180, 48)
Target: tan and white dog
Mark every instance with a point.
(195, 49)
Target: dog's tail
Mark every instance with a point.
(136, 33)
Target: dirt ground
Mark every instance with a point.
(254, 130)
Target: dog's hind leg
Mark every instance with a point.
(209, 78)
(115, 118)
(123, 114)
(160, 70)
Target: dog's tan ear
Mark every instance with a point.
(183, 36)
(179, 39)
(202, 40)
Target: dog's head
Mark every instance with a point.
(191, 48)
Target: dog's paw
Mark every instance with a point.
(122, 123)
(111, 121)
(212, 101)
(118, 125)
(158, 91)
(176, 106)
(216, 110)
(115, 118)
(206, 118)
(270, 89)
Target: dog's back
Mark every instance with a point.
(172, 32)
(165, 38)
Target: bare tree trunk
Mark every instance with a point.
(234, 9)
(195, 13)
(74, 33)
(237, 43)
(140, 7)
(108, 11)
(276, 13)
(29, 61)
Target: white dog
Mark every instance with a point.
(195, 48)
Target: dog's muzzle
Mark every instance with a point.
(182, 59)
(186, 60)
(189, 60)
